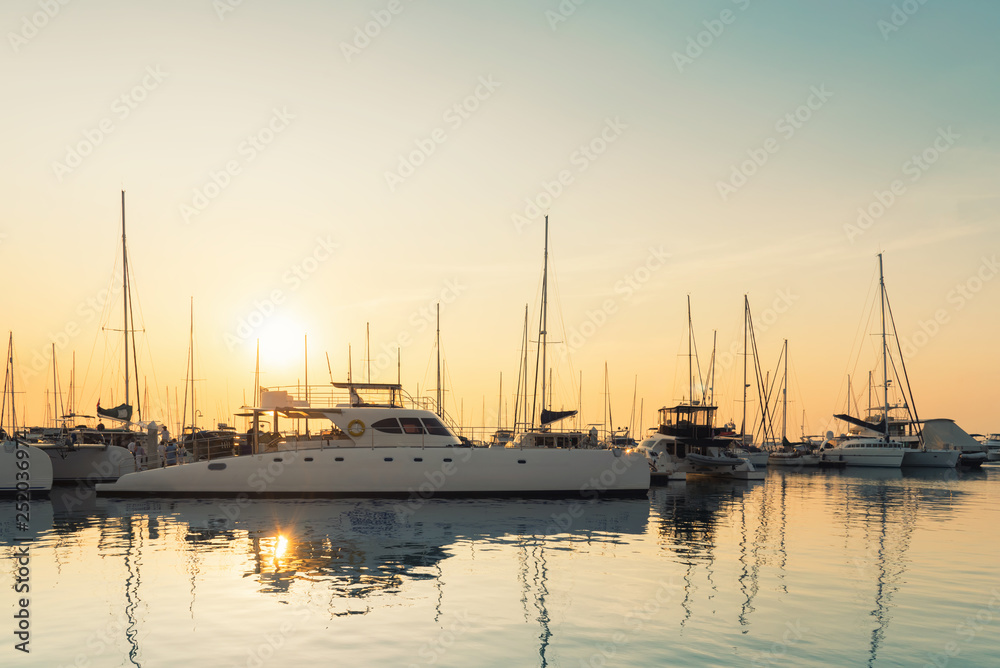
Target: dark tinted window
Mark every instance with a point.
(388, 426)
(411, 425)
(435, 427)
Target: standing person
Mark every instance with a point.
(171, 452)
(182, 453)
(161, 454)
(140, 457)
(131, 447)
(164, 435)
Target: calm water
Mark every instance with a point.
(855, 568)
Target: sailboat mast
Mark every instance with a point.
(885, 351)
(543, 334)
(125, 299)
(191, 356)
(438, 346)
(784, 397)
(746, 318)
(690, 371)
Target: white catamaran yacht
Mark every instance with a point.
(377, 446)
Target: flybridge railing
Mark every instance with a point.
(326, 396)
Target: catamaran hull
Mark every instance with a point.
(398, 472)
(861, 458)
(939, 459)
(28, 471)
(89, 463)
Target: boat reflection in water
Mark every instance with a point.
(349, 553)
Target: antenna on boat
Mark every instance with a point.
(329, 369)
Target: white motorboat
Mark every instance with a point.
(992, 444)
(663, 466)
(875, 452)
(379, 448)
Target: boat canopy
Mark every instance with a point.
(553, 416)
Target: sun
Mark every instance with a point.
(282, 350)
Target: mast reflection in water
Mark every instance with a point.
(819, 568)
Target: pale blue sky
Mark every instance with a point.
(346, 124)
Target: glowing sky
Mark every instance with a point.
(304, 168)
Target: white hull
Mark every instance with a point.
(89, 462)
(882, 458)
(398, 472)
(35, 475)
(729, 468)
(792, 460)
(942, 459)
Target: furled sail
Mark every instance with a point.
(552, 416)
(122, 412)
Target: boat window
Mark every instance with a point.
(418, 459)
(338, 459)
(435, 428)
(309, 459)
(216, 466)
(388, 459)
(447, 459)
(522, 461)
(387, 426)
(411, 425)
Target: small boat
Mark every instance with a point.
(380, 445)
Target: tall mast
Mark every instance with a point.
(543, 334)
(746, 318)
(191, 356)
(784, 396)
(125, 299)
(690, 371)
(305, 343)
(885, 352)
(438, 346)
